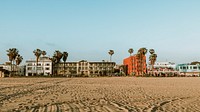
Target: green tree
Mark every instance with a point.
(43, 54)
(58, 56)
(18, 61)
(37, 53)
(131, 52)
(12, 54)
(65, 55)
(111, 52)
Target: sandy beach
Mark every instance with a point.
(111, 94)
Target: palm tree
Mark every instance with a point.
(111, 52)
(12, 54)
(43, 54)
(19, 59)
(152, 58)
(53, 60)
(65, 55)
(140, 55)
(58, 56)
(37, 53)
(131, 51)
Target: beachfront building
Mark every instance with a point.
(44, 67)
(163, 69)
(84, 68)
(192, 69)
(6, 67)
(136, 66)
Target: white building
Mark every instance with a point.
(165, 65)
(44, 67)
(189, 69)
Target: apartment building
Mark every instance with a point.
(163, 69)
(44, 67)
(84, 68)
(189, 69)
(136, 66)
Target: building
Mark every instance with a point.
(3, 72)
(192, 69)
(44, 67)
(84, 68)
(163, 69)
(136, 65)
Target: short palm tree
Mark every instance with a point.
(65, 55)
(111, 52)
(37, 53)
(12, 54)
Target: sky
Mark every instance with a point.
(88, 29)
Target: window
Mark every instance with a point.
(47, 68)
(47, 64)
(29, 68)
(194, 67)
(29, 64)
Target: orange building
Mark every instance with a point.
(136, 64)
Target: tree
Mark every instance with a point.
(111, 52)
(19, 59)
(152, 58)
(141, 63)
(12, 54)
(58, 56)
(131, 51)
(65, 55)
(37, 53)
(43, 54)
(53, 60)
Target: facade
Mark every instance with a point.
(84, 68)
(44, 67)
(163, 69)
(189, 69)
(135, 65)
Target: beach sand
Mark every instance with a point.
(106, 94)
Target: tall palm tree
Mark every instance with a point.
(111, 52)
(58, 56)
(140, 55)
(37, 53)
(65, 55)
(43, 54)
(152, 58)
(19, 60)
(12, 54)
(53, 60)
(131, 52)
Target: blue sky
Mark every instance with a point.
(87, 29)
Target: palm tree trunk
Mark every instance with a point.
(10, 74)
(64, 69)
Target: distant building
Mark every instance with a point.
(163, 69)
(84, 68)
(192, 69)
(3, 72)
(44, 67)
(136, 66)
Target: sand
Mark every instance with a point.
(111, 94)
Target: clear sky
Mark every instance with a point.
(87, 29)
